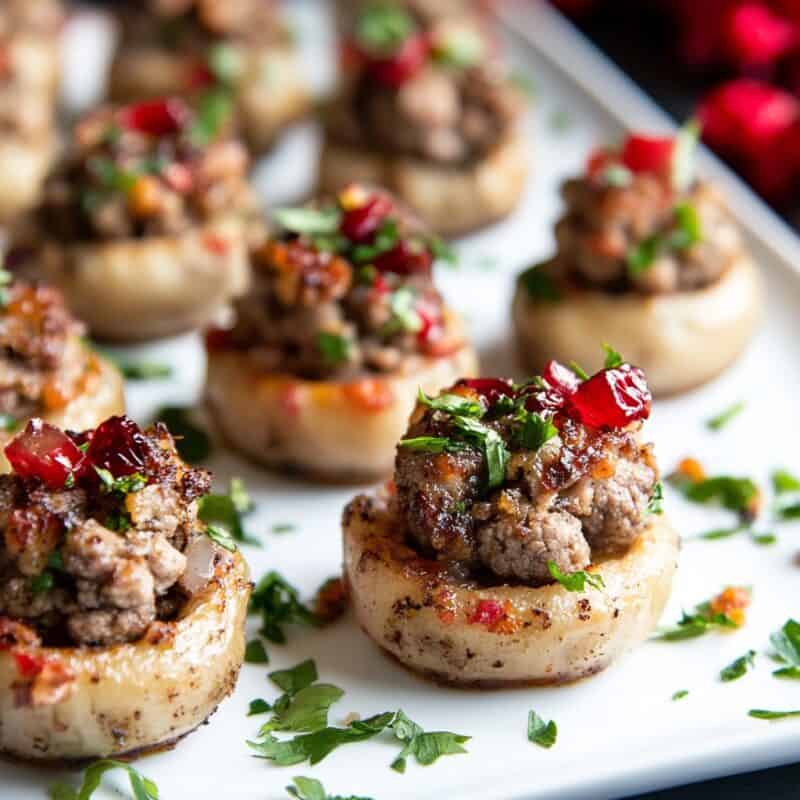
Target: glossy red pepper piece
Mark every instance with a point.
(613, 398)
(119, 446)
(361, 223)
(395, 70)
(156, 117)
(647, 153)
(403, 259)
(43, 451)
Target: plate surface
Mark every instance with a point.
(619, 732)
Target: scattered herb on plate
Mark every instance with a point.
(283, 527)
(144, 370)
(723, 612)
(540, 732)
(142, 788)
(787, 490)
(255, 652)
(763, 713)
(278, 603)
(680, 694)
(258, 706)
(719, 421)
(786, 646)
(225, 511)
(538, 284)
(312, 789)
(738, 667)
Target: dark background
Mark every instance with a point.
(641, 44)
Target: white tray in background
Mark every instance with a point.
(619, 732)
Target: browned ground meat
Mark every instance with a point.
(318, 310)
(42, 360)
(604, 224)
(122, 182)
(96, 566)
(581, 495)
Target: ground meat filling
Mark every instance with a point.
(636, 229)
(42, 359)
(97, 563)
(578, 496)
(437, 94)
(356, 297)
(150, 169)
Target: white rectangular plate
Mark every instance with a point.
(619, 732)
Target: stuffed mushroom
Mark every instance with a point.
(237, 55)
(146, 226)
(46, 368)
(121, 620)
(429, 112)
(648, 259)
(521, 540)
(341, 327)
(28, 83)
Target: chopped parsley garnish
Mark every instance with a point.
(221, 536)
(784, 482)
(405, 318)
(686, 232)
(787, 490)
(8, 423)
(575, 581)
(683, 155)
(142, 788)
(143, 370)
(309, 221)
(258, 706)
(737, 668)
(383, 28)
(786, 645)
(535, 431)
(613, 358)
(762, 713)
(283, 527)
(39, 584)
(539, 285)
(452, 404)
(492, 444)
(656, 503)
(703, 620)
(735, 494)
(726, 533)
(192, 442)
(442, 251)
(333, 348)
(126, 484)
(312, 789)
(423, 746)
(540, 732)
(278, 603)
(214, 109)
(643, 254)
(386, 237)
(718, 422)
(255, 652)
(432, 444)
(225, 511)
(680, 694)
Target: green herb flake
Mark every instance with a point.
(688, 230)
(701, 621)
(386, 237)
(382, 28)
(432, 444)
(303, 711)
(718, 422)
(540, 732)
(642, 255)
(425, 747)
(737, 668)
(656, 503)
(283, 527)
(452, 404)
(226, 511)
(613, 358)
(783, 482)
(786, 646)
(334, 349)
(539, 285)
(680, 694)
(311, 789)
(192, 442)
(8, 423)
(214, 110)
(762, 713)
(492, 444)
(222, 537)
(764, 539)
(617, 175)
(39, 584)
(278, 603)
(405, 318)
(309, 221)
(258, 706)
(575, 581)
(733, 493)
(255, 652)
(141, 787)
(143, 370)
(535, 430)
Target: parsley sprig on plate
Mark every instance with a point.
(141, 787)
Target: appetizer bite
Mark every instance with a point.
(521, 540)
(648, 258)
(341, 327)
(28, 83)
(46, 368)
(237, 55)
(121, 620)
(145, 227)
(429, 113)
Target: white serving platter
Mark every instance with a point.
(619, 732)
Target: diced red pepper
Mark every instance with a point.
(28, 665)
(360, 224)
(647, 153)
(393, 71)
(45, 452)
(156, 117)
(613, 398)
(488, 613)
(403, 259)
(119, 446)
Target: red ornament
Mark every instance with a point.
(613, 398)
(119, 446)
(361, 223)
(45, 452)
(156, 117)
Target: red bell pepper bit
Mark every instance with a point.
(28, 665)
(360, 224)
(613, 398)
(647, 153)
(45, 452)
(487, 612)
(403, 259)
(119, 446)
(395, 70)
(156, 117)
